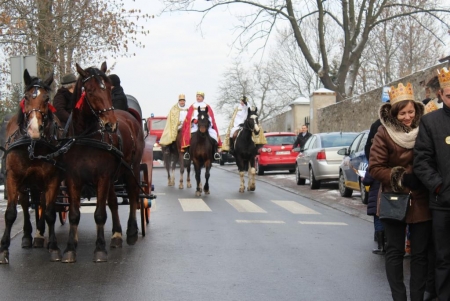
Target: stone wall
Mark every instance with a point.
(358, 113)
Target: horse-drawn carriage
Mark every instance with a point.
(99, 147)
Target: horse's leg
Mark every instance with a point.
(27, 239)
(103, 187)
(10, 217)
(73, 189)
(188, 177)
(39, 200)
(197, 169)
(167, 159)
(132, 226)
(116, 239)
(50, 218)
(207, 169)
(172, 172)
(180, 160)
(251, 175)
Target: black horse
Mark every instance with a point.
(202, 150)
(245, 149)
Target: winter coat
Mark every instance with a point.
(119, 99)
(373, 193)
(63, 104)
(301, 140)
(389, 162)
(432, 156)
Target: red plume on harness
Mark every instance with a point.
(80, 101)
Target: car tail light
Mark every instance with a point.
(321, 155)
(266, 150)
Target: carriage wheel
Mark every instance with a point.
(143, 225)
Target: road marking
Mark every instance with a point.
(194, 205)
(295, 207)
(245, 206)
(323, 223)
(242, 221)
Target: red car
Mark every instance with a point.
(277, 154)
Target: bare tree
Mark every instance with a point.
(354, 19)
(258, 83)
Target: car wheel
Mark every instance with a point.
(291, 170)
(364, 194)
(259, 169)
(313, 183)
(299, 180)
(344, 191)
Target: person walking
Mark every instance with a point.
(302, 137)
(119, 99)
(391, 163)
(63, 98)
(432, 166)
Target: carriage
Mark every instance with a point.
(99, 147)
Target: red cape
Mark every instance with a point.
(186, 129)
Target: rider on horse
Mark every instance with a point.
(190, 126)
(174, 122)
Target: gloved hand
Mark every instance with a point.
(411, 181)
(195, 121)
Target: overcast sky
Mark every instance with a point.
(178, 58)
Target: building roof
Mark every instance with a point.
(323, 91)
(301, 101)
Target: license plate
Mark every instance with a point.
(283, 152)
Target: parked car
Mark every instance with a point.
(319, 160)
(277, 154)
(226, 157)
(353, 167)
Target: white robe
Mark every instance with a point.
(241, 116)
(194, 126)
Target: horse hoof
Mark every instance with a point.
(38, 242)
(55, 255)
(116, 242)
(27, 242)
(207, 192)
(198, 193)
(4, 257)
(100, 256)
(252, 188)
(189, 185)
(132, 239)
(180, 187)
(69, 257)
(241, 189)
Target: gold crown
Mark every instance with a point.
(201, 93)
(444, 78)
(401, 93)
(181, 97)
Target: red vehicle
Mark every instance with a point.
(155, 126)
(277, 154)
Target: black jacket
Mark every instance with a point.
(432, 156)
(119, 99)
(301, 140)
(373, 193)
(373, 130)
(63, 104)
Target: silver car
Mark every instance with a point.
(318, 160)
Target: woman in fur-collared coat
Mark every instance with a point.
(391, 163)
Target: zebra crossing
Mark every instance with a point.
(247, 206)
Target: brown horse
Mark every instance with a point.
(108, 145)
(172, 156)
(201, 150)
(32, 135)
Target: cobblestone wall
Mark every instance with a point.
(358, 113)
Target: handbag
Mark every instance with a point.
(393, 206)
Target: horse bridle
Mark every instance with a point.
(34, 95)
(103, 87)
(254, 117)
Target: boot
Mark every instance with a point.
(380, 240)
(216, 155)
(232, 146)
(186, 154)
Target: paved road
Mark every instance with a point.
(271, 244)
